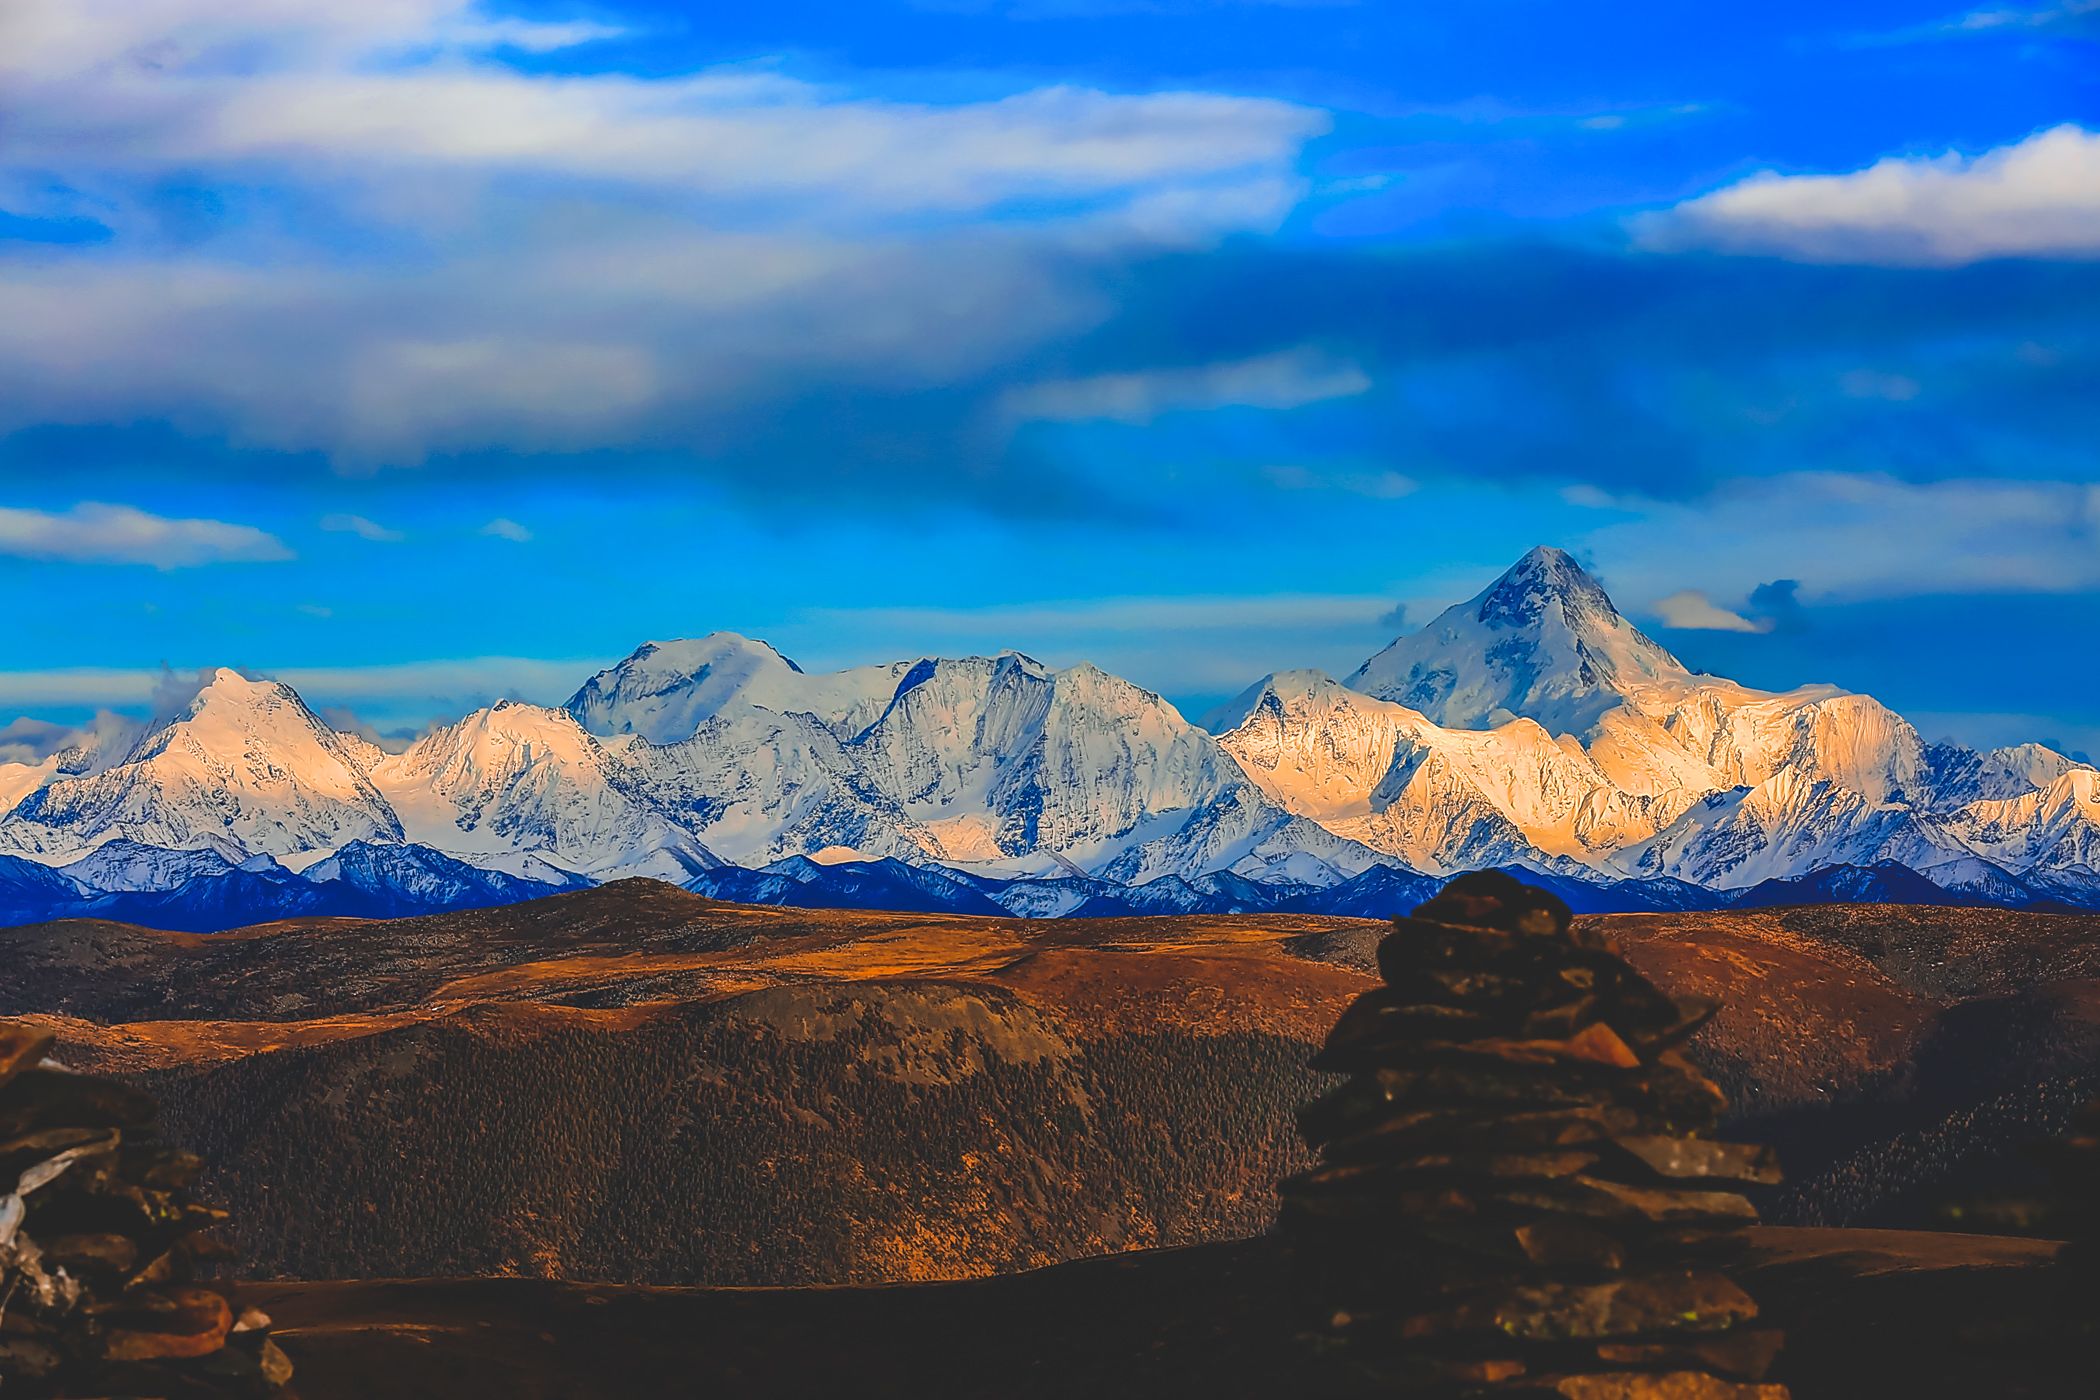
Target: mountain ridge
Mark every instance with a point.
(1532, 726)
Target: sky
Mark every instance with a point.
(420, 352)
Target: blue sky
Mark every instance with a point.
(424, 351)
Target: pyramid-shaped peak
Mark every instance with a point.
(1541, 579)
(1542, 642)
(224, 681)
(1548, 556)
(226, 692)
(228, 703)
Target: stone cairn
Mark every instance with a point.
(1517, 1193)
(100, 1242)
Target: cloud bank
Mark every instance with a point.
(416, 247)
(2035, 198)
(95, 532)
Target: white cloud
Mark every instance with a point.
(1291, 379)
(359, 526)
(320, 86)
(457, 683)
(2039, 197)
(639, 333)
(1693, 610)
(95, 532)
(533, 36)
(32, 741)
(505, 529)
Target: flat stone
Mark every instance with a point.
(1676, 1097)
(1746, 1353)
(1624, 1307)
(1599, 1198)
(1377, 1025)
(1402, 1171)
(84, 1253)
(19, 1151)
(1594, 1044)
(1570, 1244)
(1688, 1157)
(1524, 1130)
(179, 1321)
(1493, 899)
(38, 1175)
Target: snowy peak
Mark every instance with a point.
(261, 737)
(1440, 799)
(1547, 581)
(245, 765)
(1312, 745)
(518, 777)
(665, 691)
(1543, 641)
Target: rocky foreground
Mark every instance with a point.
(1866, 1313)
(104, 1251)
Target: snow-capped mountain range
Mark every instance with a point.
(1532, 725)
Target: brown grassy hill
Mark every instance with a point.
(637, 1084)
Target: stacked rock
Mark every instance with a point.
(100, 1242)
(1518, 1193)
